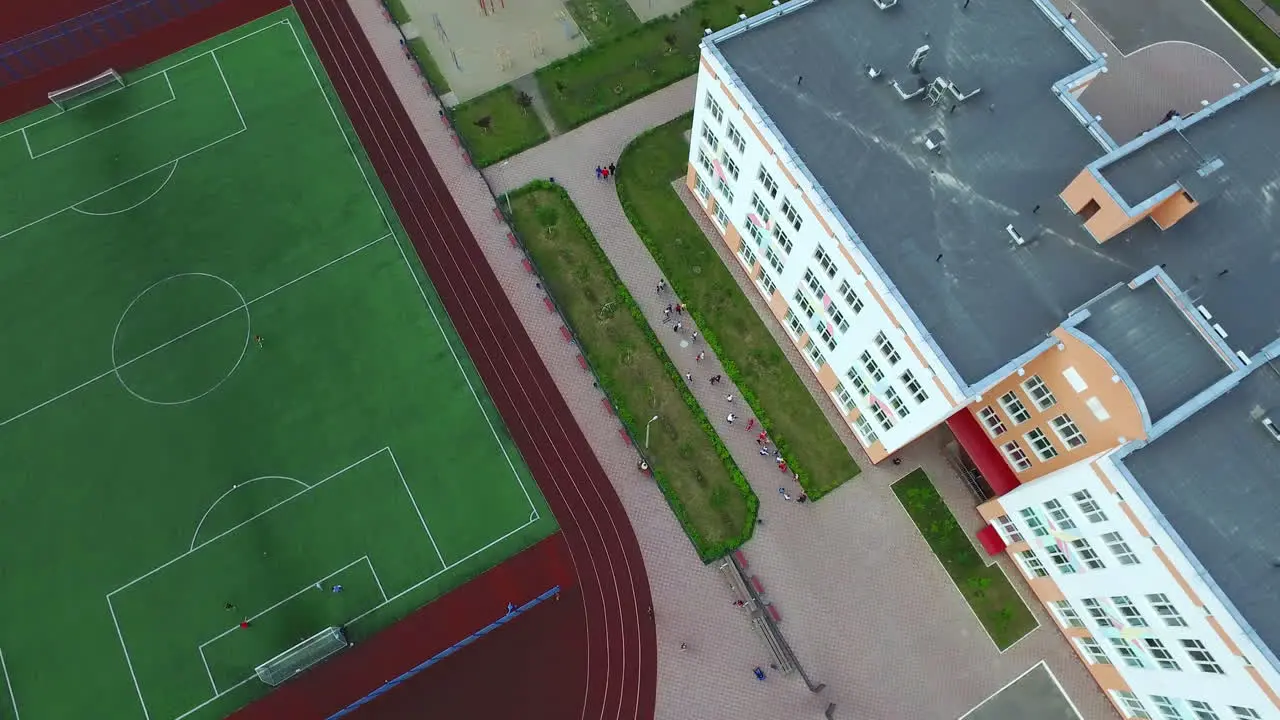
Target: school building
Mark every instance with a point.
(950, 237)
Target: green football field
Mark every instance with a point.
(227, 380)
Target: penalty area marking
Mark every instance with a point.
(248, 335)
(34, 155)
(196, 535)
(13, 698)
(173, 168)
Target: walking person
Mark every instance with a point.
(337, 589)
(662, 284)
(731, 418)
(666, 315)
(684, 646)
(700, 356)
(599, 170)
(727, 398)
(678, 326)
(688, 376)
(605, 172)
(694, 337)
(679, 309)
(762, 436)
(783, 492)
(750, 424)
(613, 170)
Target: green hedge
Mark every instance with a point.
(398, 12)
(750, 355)
(427, 62)
(699, 478)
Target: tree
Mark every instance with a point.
(485, 123)
(525, 101)
(548, 217)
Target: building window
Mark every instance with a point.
(913, 386)
(1202, 710)
(1041, 445)
(1039, 393)
(766, 283)
(850, 297)
(992, 420)
(774, 262)
(1244, 713)
(1008, 529)
(1120, 548)
(1067, 431)
(755, 233)
(1016, 456)
(858, 383)
(766, 180)
(1201, 656)
(837, 318)
(1168, 711)
(1059, 515)
(1096, 611)
(1014, 408)
(828, 266)
(1059, 558)
(793, 324)
(867, 432)
(731, 167)
(748, 255)
(705, 161)
(1164, 659)
(1165, 610)
(700, 187)
(1130, 612)
(815, 355)
(758, 205)
(828, 339)
(714, 108)
(1088, 507)
(1093, 651)
(1087, 554)
(896, 403)
(1032, 564)
(887, 349)
(1132, 705)
(844, 397)
(815, 285)
(1126, 652)
(1033, 521)
(792, 214)
(736, 139)
(803, 304)
(885, 421)
(725, 190)
(721, 216)
(783, 241)
(1067, 614)
(873, 368)
(710, 138)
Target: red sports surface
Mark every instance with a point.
(590, 655)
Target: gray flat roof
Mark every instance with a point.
(936, 223)
(1143, 174)
(1215, 477)
(1167, 358)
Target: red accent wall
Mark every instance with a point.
(984, 454)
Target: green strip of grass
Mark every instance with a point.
(428, 64)
(398, 12)
(1248, 24)
(730, 324)
(987, 590)
(496, 126)
(608, 75)
(602, 20)
(699, 478)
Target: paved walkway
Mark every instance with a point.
(866, 606)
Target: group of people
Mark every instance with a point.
(603, 173)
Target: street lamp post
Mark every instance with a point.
(646, 431)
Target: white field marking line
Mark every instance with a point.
(164, 70)
(104, 128)
(201, 706)
(309, 587)
(227, 85)
(376, 579)
(960, 592)
(127, 661)
(13, 698)
(1232, 28)
(1004, 687)
(416, 509)
(199, 327)
(409, 267)
(205, 660)
(1062, 690)
(237, 486)
(173, 168)
(230, 530)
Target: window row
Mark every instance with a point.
(1179, 709)
(1159, 603)
(1058, 515)
(1037, 439)
(1068, 555)
(1141, 653)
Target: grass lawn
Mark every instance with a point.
(510, 129)
(602, 20)
(428, 64)
(987, 590)
(398, 11)
(608, 75)
(1251, 26)
(750, 354)
(700, 480)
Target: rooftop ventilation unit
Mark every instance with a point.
(885, 4)
(934, 140)
(920, 86)
(873, 72)
(1271, 428)
(1017, 236)
(917, 58)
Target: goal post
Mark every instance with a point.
(308, 653)
(105, 79)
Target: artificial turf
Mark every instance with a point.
(228, 381)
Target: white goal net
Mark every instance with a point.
(309, 652)
(66, 95)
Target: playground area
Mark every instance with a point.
(235, 412)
